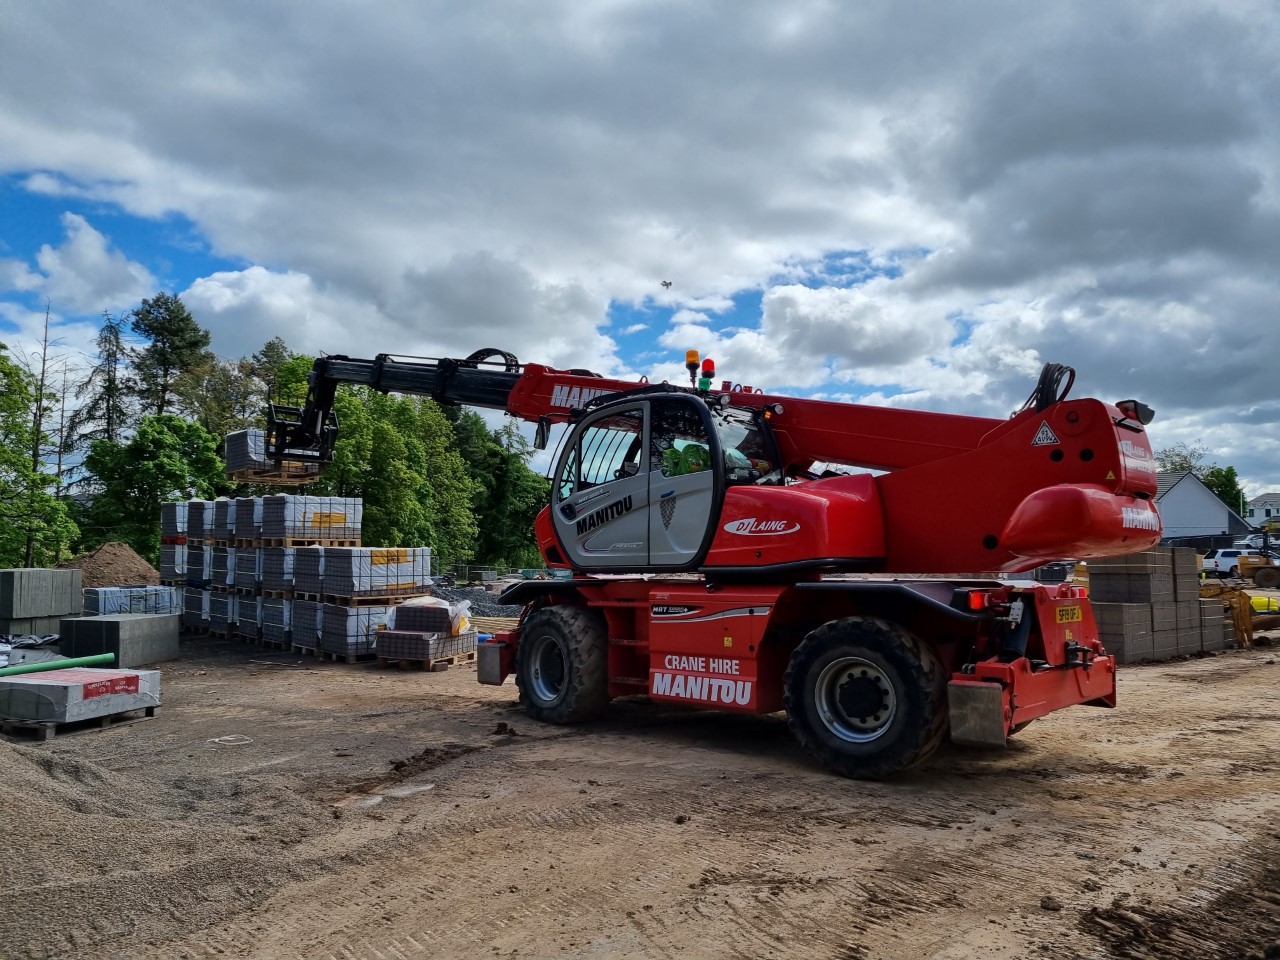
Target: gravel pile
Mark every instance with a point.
(482, 601)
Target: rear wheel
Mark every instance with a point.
(1233, 572)
(866, 698)
(1267, 577)
(562, 664)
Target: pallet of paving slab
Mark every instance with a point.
(48, 729)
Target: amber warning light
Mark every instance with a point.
(691, 364)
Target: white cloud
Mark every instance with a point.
(1095, 184)
(86, 275)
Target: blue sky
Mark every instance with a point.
(863, 202)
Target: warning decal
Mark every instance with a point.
(1044, 436)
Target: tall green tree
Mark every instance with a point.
(35, 529)
(167, 458)
(1225, 485)
(269, 362)
(221, 395)
(175, 343)
(106, 404)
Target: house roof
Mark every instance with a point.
(1167, 481)
(1272, 497)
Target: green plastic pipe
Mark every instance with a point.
(99, 659)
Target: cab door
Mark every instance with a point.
(685, 481)
(600, 493)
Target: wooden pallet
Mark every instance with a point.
(276, 477)
(222, 633)
(344, 657)
(272, 644)
(309, 650)
(493, 624)
(308, 542)
(277, 594)
(434, 665)
(247, 591)
(200, 631)
(173, 583)
(313, 597)
(371, 600)
(220, 542)
(46, 729)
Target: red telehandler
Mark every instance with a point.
(717, 561)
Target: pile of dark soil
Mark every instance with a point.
(114, 565)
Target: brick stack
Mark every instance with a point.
(1147, 605)
(290, 571)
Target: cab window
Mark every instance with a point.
(678, 442)
(608, 449)
(749, 455)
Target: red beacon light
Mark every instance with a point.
(708, 374)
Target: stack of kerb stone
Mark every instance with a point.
(376, 572)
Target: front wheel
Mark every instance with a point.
(866, 698)
(562, 664)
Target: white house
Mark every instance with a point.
(1190, 509)
(1265, 506)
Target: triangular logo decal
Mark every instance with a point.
(1044, 436)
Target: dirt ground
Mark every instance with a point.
(287, 808)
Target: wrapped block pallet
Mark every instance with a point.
(173, 519)
(350, 631)
(195, 608)
(377, 571)
(224, 611)
(247, 459)
(173, 561)
(248, 574)
(307, 616)
(277, 619)
(277, 568)
(99, 601)
(295, 517)
(249, 616)
(248, 520)
(308, 570)
(224, 519)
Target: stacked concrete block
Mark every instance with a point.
(224, 611)
(173, 561)
(200, 566)
(350, 631)
(277, 619)
(308, 620)
(99, 601)
(135, 638)
(195, 608)
(34, 601)
(308, 569)
(1213, 622)
(248, 572)
(224, 519)
(249, 617)
(1162, 581)
(70, 695)
(1125, 629)
(248, 518)
(173, 520)
(199, 521)
(222, 567)
(277, 568)
(377, 571)
(294, 517)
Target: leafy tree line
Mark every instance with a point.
(147, 422)
(1190, 458)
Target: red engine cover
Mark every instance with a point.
(835, 518)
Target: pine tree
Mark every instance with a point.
(106, 409)
(175, 343)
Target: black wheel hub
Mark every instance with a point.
(861, 696)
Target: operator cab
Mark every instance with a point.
(640, 481)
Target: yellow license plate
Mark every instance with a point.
(1070, 614)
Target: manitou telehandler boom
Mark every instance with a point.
(717, 561)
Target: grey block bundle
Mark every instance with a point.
(34, 601)
(1147, 605)
(350, 631)
(155, 600)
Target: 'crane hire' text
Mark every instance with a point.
(604, 515)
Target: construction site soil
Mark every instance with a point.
(280, 807)
(114, 564)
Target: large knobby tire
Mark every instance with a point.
(562, 664)
(1267, 577)
(866, 698)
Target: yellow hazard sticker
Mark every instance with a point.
(1111, 474)
(728, 641)
(1070, 614)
